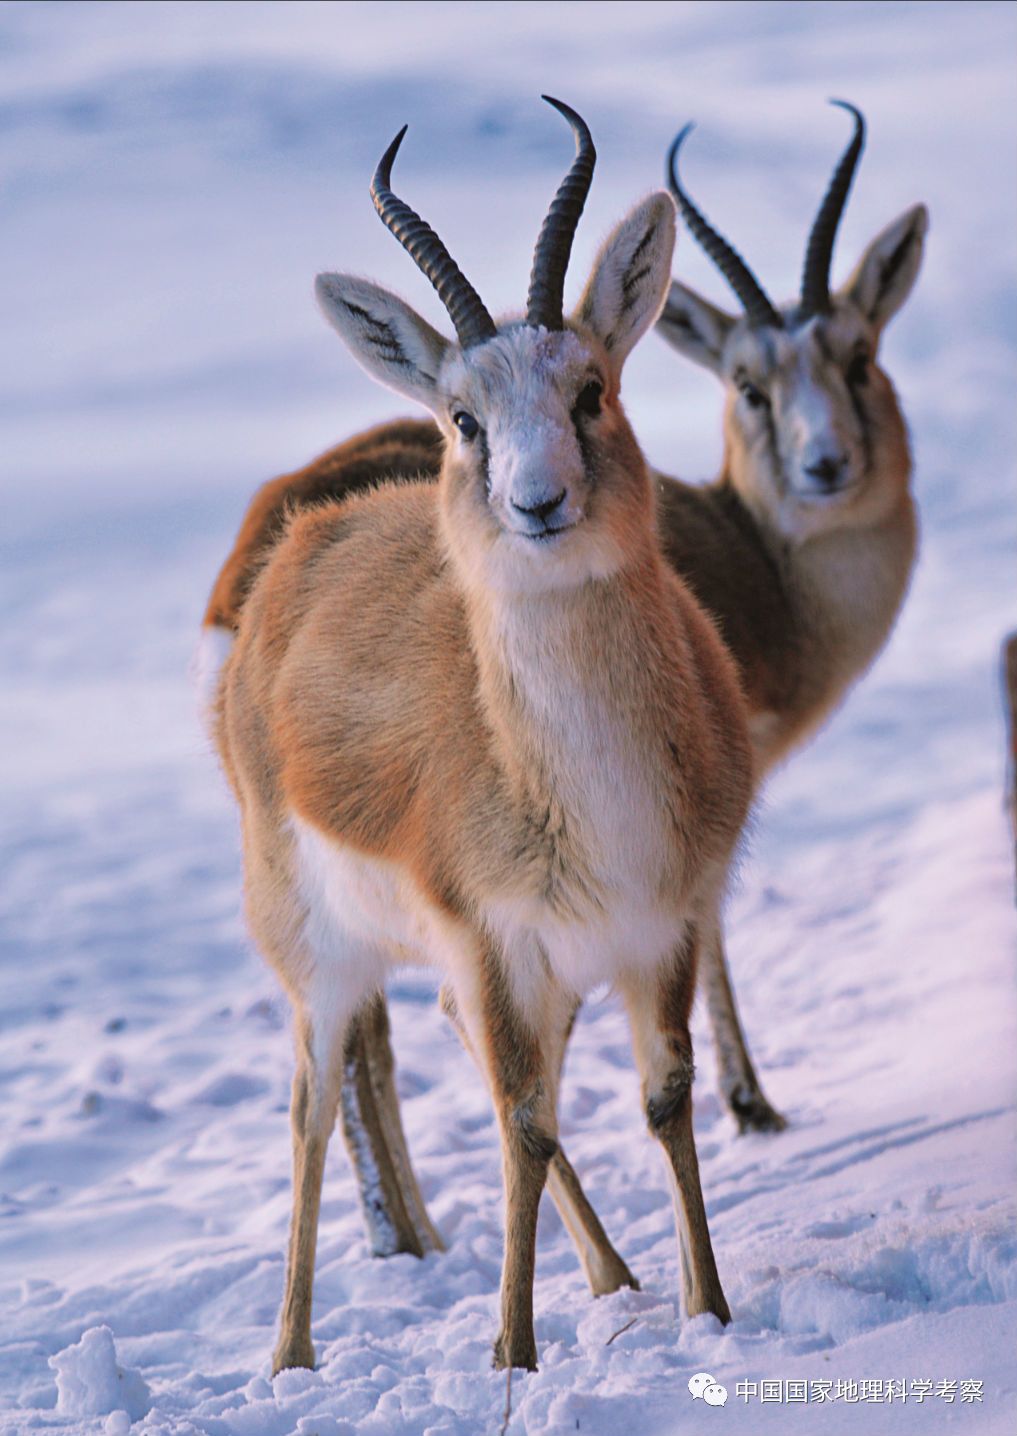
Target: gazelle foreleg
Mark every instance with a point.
(518, 1044)
(739, 1084)
(658, 1007)
(604, 1269)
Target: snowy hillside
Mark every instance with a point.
(172, 177)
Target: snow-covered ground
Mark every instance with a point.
(172, 176)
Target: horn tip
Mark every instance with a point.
(394, 146)
(671, 172)
(851, 109)
(383, 173)
(579, 125)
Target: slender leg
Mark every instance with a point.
(738, 1081)
(512, 1046)
(604, 1269)
(394, 1212)
(321, 1028)
(312, 1117)
(659, 1013)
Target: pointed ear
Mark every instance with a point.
(630, 277)
(889, 267)
(694, 327)
(384, 335)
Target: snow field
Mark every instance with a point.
(173, 177)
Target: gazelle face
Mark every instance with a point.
(814, 436)
(519, 408)
(543, 485)
(542, 475)
(814, 433)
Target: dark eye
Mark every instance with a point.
(755, 398)
(466, 424)
(588, 400)
(858, 370)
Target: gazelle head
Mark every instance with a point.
(543, 484)
(814, 436)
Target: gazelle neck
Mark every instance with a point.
(561, 674)
(844, 587)
(567, 637)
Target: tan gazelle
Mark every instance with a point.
(480, 723)
(804, 574)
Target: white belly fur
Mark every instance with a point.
(366, 915)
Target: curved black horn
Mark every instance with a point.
(816, 274)
(545, 300)
(472, 322)
(727, 259)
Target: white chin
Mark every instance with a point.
(549, 539)
(556, 561)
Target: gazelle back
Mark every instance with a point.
(480, 723)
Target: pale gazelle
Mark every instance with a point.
(482, 724)
(804, 577)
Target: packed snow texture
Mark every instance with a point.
(173, 177)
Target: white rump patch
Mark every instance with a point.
(364, 917)
(214, 647)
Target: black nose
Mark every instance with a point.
(542, 510)
(826, 470)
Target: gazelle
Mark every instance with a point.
(804, 575)
(481, 723)
(802, 548)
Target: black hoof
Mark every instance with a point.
(753, 1112)
(523, 1358)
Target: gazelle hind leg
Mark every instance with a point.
(321, 1029)
(659, 1014)
(603, 1268)
(394, 1212)
(382, 1066)
(739, 1084)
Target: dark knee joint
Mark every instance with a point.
(671, 1100)
(527, 1130)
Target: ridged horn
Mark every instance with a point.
(816, 274)
(727, 259)
(472, 322)
(546, 297)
